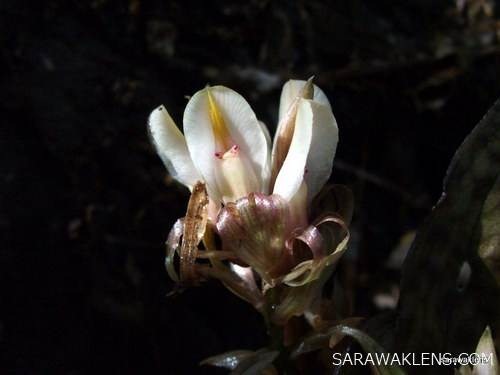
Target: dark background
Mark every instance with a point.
(85, 205)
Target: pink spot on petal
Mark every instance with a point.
(235, 149)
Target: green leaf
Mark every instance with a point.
(332, 336)
(229, 360)
(449, 288)
(489, 246)
(368, 344)
(256, 364)
(244, 362)
(311, 343)
(320, 340)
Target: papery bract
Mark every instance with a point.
(187, 234)
(255, 228)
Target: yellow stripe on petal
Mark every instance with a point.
(221, 132)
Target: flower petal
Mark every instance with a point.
(291, 173)
(239, 124)
(195, 224)
(286, 129)
(291, 90)
(171, 147)
(255, 228)
(265, 130)
(235, 176)
(325, 136)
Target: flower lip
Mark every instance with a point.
(226, 143)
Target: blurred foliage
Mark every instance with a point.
(449, 288)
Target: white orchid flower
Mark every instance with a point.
(225, 145)
(258, 191)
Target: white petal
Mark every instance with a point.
(265, 130)
(235, 177)
(200, 139)
(291, 173)
(325, 136)
(242, 126)
(486, 348)
(266, 172)
(290, 95)
(290, 91)
(297, 206)
(171, 147)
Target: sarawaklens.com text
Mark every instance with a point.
(411, 359)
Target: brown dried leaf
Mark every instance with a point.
(195, 224)
(368, 344)
(310, 270)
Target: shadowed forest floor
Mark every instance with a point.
(85, 202)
